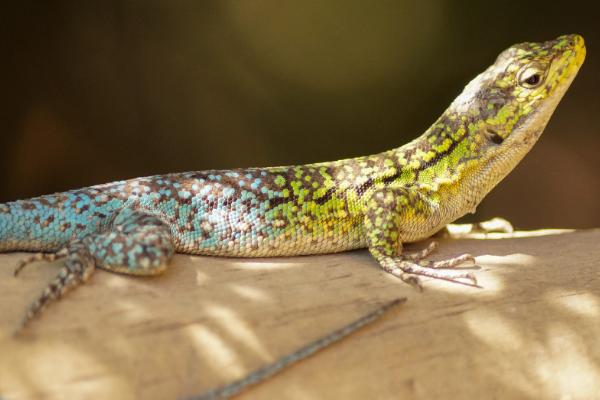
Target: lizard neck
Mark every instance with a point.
(435, 159)
(451, 165)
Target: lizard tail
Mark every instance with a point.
(260, 374)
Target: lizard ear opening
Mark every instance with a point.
(493, 136)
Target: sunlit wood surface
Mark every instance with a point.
(532, 331)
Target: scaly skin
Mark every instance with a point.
(379, 201)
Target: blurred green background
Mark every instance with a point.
(95, 91)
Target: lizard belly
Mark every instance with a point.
(270, 238)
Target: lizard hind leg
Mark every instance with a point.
(48, 257)
(136, 243)
(78, 267)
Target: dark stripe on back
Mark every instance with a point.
(438, 156)
(326, 197)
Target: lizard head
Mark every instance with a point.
(514, 98)
(529, 79)
(501, 113)
(527, 82)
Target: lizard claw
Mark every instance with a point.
(471, 276)
(413, 280)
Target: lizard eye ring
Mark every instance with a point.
(531, 76)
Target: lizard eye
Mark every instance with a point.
(530, 77)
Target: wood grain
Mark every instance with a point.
(532, 330)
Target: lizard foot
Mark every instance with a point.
(79, 266)
(49, 257)
(453, 262)
(419, 256)
(134, 243)
(410, 272)
(411, 266)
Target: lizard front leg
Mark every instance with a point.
(385, 220)
(134, 242)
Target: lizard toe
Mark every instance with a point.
(49, 257)
(464, 260)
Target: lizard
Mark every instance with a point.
(380, 201)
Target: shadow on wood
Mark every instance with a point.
(531, 332)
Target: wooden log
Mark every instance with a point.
(531, 331)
